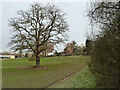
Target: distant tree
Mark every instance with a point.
(6, 53)
(26, 55)
(74, 46)
(56, 53)
(38, 25)
(80, 50)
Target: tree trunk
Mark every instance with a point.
(37, 62)
(20, 53)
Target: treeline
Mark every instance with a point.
(71, 48)
(104, 47)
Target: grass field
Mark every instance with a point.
(14, 74)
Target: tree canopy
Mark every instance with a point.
(37, 25)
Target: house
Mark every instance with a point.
(69, 49)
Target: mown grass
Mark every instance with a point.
(15, 76)
(82, 79)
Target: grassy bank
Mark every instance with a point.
(81, 79)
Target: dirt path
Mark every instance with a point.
(66, 77)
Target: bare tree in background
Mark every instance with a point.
(37, 25)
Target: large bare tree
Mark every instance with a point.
(37, 25)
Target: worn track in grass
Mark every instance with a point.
(66, 77)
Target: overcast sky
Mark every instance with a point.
(76, 17)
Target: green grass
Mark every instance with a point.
(81, 79)
(14, 76)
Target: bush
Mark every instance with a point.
(105, 58)
(104, 63)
